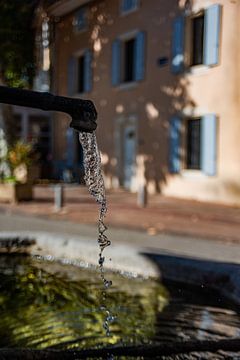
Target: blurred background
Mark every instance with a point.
(164, 77)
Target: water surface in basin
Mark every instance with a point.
(47, 304)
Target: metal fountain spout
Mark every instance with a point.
(82, 112)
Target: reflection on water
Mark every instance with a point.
(46, 304)
(186, 321)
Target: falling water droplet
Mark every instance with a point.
(95, 183)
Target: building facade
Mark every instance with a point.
(165, 79)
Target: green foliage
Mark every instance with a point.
(19, 157)
(20, 153)
(10, 180)
(17, 42)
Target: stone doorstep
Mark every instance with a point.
(135, 261)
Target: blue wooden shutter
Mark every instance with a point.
(88, 71)
(212, 34)
(139, 66)
(116, 61)
(209, 144)
(71, 75)
(178, 45)
(175, 144)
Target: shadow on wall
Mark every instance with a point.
(164, 97)
(158, 99)
(173, 98)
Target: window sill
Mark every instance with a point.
(80, 31)
(193, 174)
(125, 13)
(199, 69)
(78, 95)
(127, 86)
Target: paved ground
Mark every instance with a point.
(178, 227)
(160, 243)
(196, 243)
(161, 216)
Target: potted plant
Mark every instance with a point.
(16, 186)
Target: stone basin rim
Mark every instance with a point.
(135, 261)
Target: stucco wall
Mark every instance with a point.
(150, 103)
(216, 90)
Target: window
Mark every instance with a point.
(128, 59)
(80, 20)
(80, 73)
(128, 6)
(39, 133)
(197, 40)
(193, 144)
(199, 144)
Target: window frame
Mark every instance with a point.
(209, 144)
(132, 35)
(82, 56)
(123, 67)
(77, 55)
(188, 52)
(197, 11)
(191, 57)
(127, 12)
(185, 144)
(182, 39)
(76, 29)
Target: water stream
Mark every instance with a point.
(95, 183)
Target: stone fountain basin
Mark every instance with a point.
(83, 251)
(222, 278)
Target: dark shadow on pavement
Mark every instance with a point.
(224, 278)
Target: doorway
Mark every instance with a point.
(129, 156)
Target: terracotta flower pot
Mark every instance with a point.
(15, 192)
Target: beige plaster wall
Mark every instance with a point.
(152, 101)
(216, 90)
